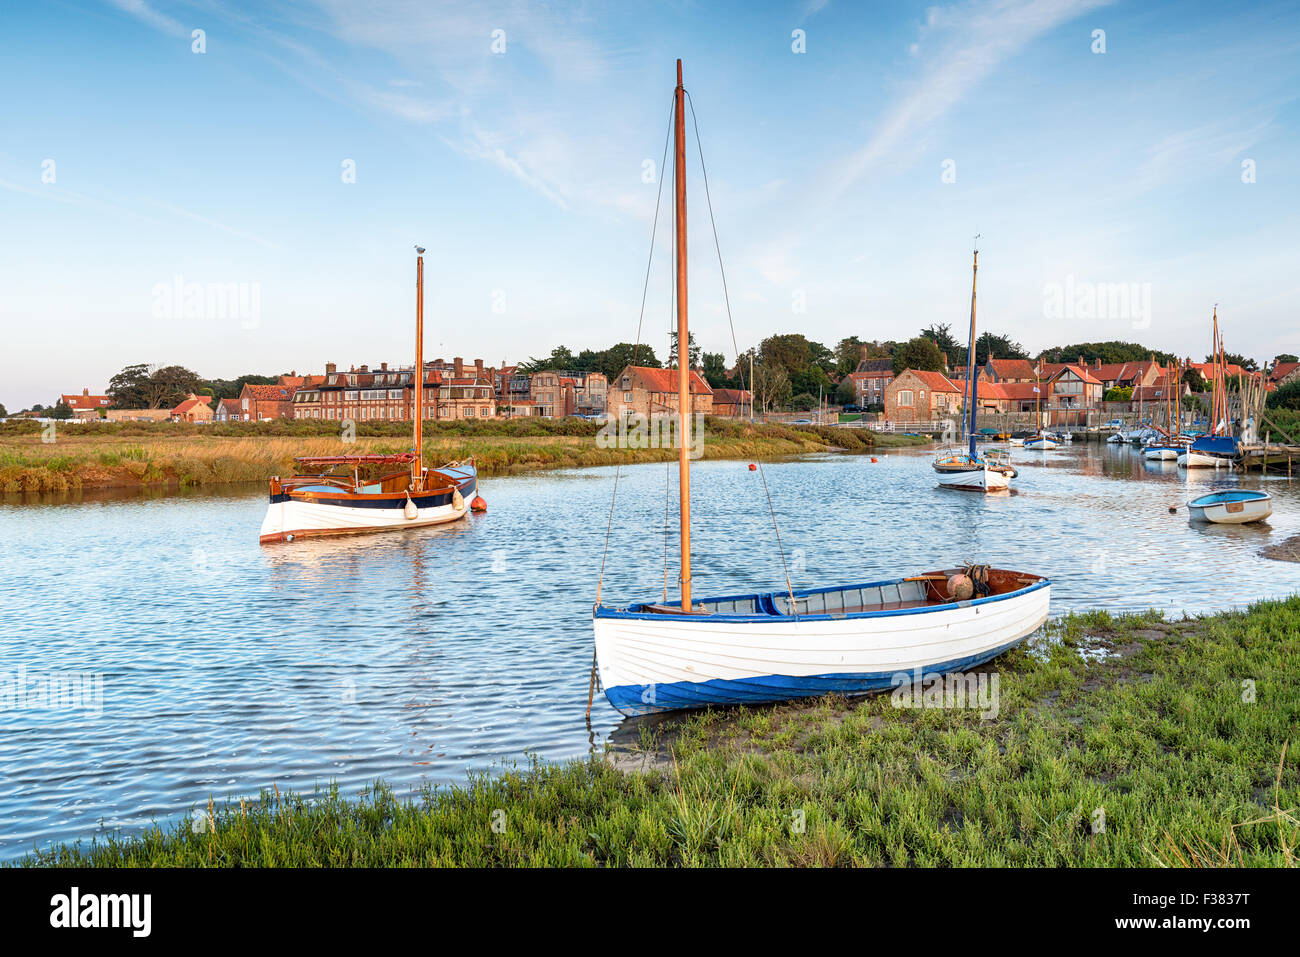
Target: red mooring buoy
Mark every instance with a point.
(874, 459)
(478, 505)
(753, 467)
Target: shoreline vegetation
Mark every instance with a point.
(176, 455)
(1116, 741)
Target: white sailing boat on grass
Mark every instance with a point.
(780, 644)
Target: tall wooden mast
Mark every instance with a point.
(417, 378)
(683, 337)
(972, 390)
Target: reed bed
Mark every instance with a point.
(147, 454)
(1118, 741)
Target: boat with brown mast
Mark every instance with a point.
(349, 494)
(782, 644)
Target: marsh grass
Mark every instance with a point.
(1159, 734)
(130, 454)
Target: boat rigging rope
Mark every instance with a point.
(636, 350)
(726, 298)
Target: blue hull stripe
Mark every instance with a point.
(647, 699)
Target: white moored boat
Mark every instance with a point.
(1040, 442)
(848, 640)
(776, 645)
(348, 494)
(1233, 507)
(330, 503)
(966, 468)
(959, 470)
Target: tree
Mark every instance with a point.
(792, 352)
(127, 388)
(1109, 352)
(1285, 397)
(1285, 357)
(618, 357)
(771, 385)
(848, 352)
(1235, 359)
(941, 335)
(61, 410)
(1195, 381)
(990, 346)
(231, 388)
(845, 393)
(919, 353)
(693, 352)
(715, 370)
(169, 385)
(4, 413)
(1120, 393)
(561, 358)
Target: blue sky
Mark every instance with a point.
(522, 172)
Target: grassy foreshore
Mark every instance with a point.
(1125, 741)
(141, 454)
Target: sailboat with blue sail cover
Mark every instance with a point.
(774, 645)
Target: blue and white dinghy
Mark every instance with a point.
(849, 640)
(773, 646)
(1233, 507)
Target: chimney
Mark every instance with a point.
(862, 351)
(330, 368)
(85, 391)
(458, 365)
(383, 367)
(478, 368)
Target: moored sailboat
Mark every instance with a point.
(348, 494)
(965, 468)
(775, 645)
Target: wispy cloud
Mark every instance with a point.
(159, 21)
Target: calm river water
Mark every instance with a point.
(227, 667)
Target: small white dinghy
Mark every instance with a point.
(1233, 507)
(774, 646)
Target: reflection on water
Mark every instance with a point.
(422, 655)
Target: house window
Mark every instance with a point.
(245, 404)
(905, 397)
(627, 397)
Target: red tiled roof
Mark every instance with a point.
(666, 380)
(273, 392)
(230, 405)
(730, 396)
(190, 404)
(937, 381)
(1011, 368)
(1282, 370)
(84, 401)
(1050, 370)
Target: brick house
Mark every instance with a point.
(360, 394)
(195, 408)
(259, 403)
(1283, 373)
(639, 389)
(916, 395)
(732, 403)
(86, 406)
(870, 379)
(228, 410)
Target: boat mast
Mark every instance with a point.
(683, 337)
(972, 396)
(418, 376)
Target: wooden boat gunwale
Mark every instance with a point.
(628, 613)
